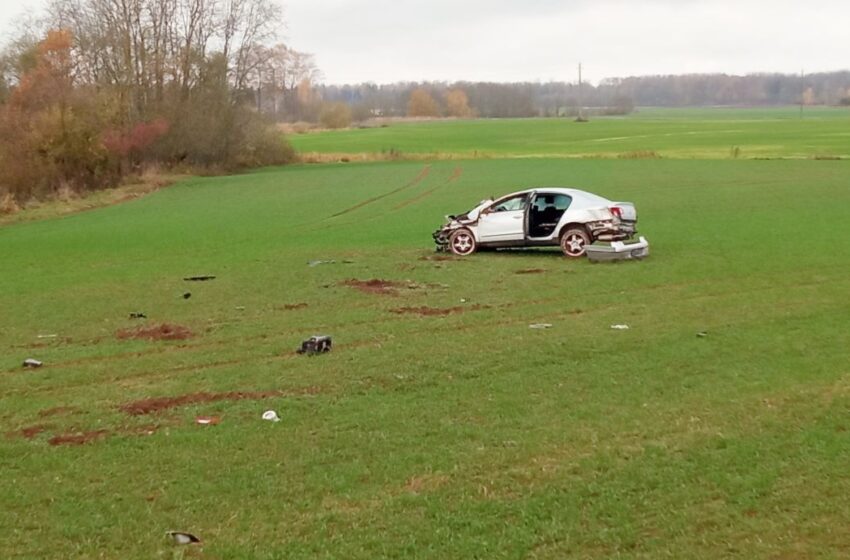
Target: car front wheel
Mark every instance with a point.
(574, 242)
(462, 242)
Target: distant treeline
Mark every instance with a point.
(613, 95)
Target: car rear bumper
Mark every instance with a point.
(618, 251)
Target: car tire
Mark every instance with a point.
(574, 242)
(462, 242)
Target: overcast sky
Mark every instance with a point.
(516, 40)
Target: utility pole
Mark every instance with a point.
(580, 117)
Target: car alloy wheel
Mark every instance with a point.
(574, 242)
(462, 242)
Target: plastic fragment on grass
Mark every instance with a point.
(32, 363)
(180, 537)
(702, 334)
(540, 326)
(202, 278)
(187, 295)
(271, 416)
(208, 420)
(620, 327)
(47, 336)
(138, 315)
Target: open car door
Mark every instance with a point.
(504, 220)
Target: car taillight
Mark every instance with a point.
(617, 211)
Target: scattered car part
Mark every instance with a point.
(208, 420)
(187, 295)
(179, 537)
(702, 334)
(202, 278)
(32, 363)
(618, 251)
(138, 315)
(271, 416)
(620, 327)
(318, 344)
(540, 217)
(540, 326)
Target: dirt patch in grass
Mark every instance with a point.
(157, 404)
(374, 286)
(530, 271)
(163, 331)
(291, 306)
(31, 431)
(77, 438)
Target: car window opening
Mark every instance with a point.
(546, 212)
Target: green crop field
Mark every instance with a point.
(441, 425)
(668, 133)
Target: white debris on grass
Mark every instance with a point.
(271, 416)
(620, 327)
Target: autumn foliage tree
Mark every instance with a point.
(422, 104)
(457, 104)
(49, 130)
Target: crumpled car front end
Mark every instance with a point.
(441, 236)
(454, 222)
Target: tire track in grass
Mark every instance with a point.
(423, 174)
(456, 174)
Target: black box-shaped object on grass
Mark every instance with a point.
(318, 344)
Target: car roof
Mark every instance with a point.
(574, 193)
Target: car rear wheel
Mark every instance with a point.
(462, 242)
(574, 242)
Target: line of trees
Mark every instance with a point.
(612, 96)
(102, 87)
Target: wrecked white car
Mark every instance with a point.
(569, 218)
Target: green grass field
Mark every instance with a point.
(670, 133)
(464, 435)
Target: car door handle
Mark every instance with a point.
(517, 217)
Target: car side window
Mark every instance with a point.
(562, 202)
(510, 204)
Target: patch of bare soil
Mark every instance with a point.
(81, 438)
(31, 431)
(374, 286)
(291, 306)
(163, 331)
(157, 404)
(530, 271)
(456, 174)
